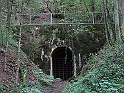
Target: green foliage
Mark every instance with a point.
(106, 53)
(34, 89)
(106, 74)
(91, 39)
(6, 36)
(2, 88)
(35, 4)
(86, 5)
(44, 79)
(29, 89)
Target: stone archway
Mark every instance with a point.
(62, 63)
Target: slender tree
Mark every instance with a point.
(117, 21)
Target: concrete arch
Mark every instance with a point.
(62, 63)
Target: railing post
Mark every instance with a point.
(93, 18)
(51, 20)
(30, 19)
(79, 55)
(75, 72)
(51, 67)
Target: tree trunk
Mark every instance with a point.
(7, 31)
(105, 21)
(117, 21)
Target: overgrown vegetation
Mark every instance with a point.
(29, 87)
(105, 74)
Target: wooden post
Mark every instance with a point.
(79, 60)
(51, 18)
(30, 22)
(51, 67)
(51, 64)
(75, 67)
(93, 19)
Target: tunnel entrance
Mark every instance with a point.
(62, 63)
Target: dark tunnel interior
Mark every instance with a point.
(62, 63)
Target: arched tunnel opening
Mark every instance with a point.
(62, 63)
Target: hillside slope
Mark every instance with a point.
(105, 74)
(31, 78)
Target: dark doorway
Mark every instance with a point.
(62, 63)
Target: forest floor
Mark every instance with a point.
(57, 87)
(7, 70)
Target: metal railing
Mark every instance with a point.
(58, 18)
